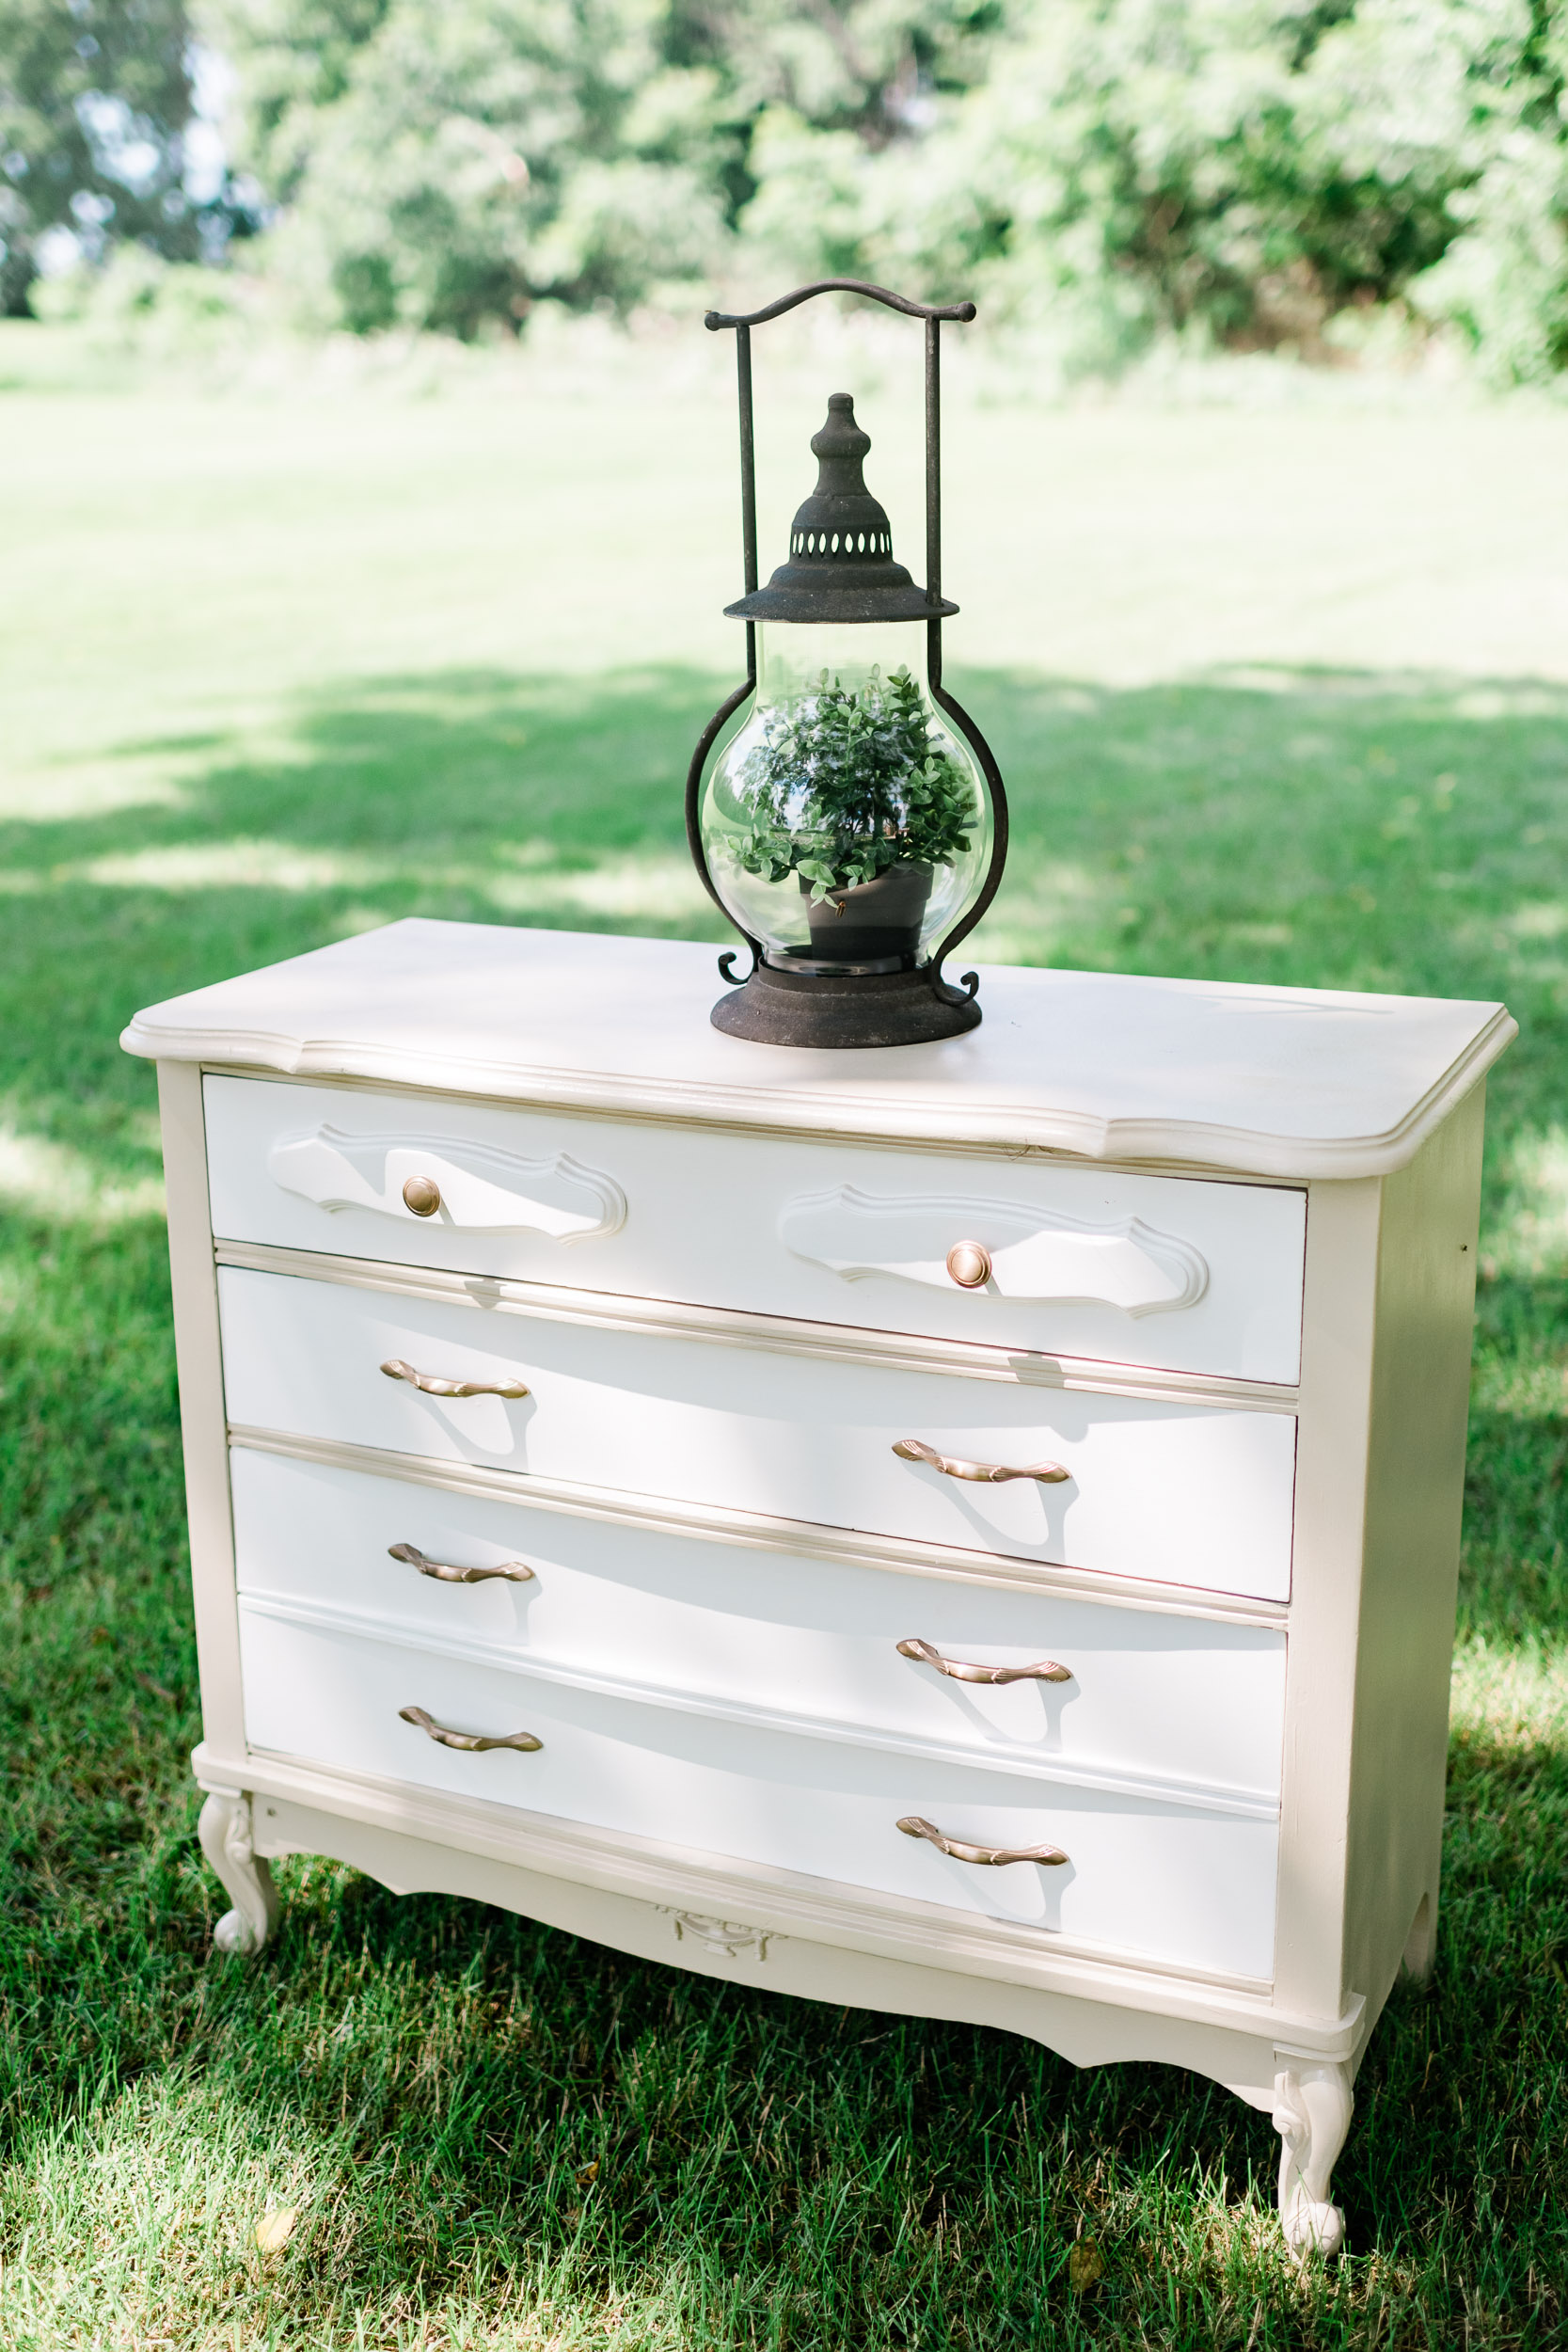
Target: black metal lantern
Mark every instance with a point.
(853, 824)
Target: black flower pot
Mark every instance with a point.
(871, 923)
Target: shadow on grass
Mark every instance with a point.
(433, 2084)
(1403, 833)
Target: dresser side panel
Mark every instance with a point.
(1421, 1398)
(1332, 1464)
(203, 1425)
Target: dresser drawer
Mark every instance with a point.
(1171, 1881)
(1178, 1700)
(1178, 1493)
(1175, 1272)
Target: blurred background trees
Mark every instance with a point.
(93, 103)
(1306, 174)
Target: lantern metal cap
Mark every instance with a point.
(841, 566)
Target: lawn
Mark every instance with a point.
(1280, 688)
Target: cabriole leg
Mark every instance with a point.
(225, 1841)
(1311, 2114)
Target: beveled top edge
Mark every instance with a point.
(1296, 1083)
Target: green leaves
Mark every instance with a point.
(844, 784)
(447, 164)
(1323, 178)
(1109, 171)
(93, 103)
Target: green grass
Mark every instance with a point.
(283, 665)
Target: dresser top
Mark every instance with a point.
(1270, 1081)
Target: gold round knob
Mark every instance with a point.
(969, 1264)
(422, 1194)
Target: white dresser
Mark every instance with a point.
(617, 1491)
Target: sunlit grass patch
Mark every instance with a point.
(1530, 1234)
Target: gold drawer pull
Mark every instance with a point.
(1044, 1670)
(515, 1571)
(984, 1474)
(969, 1264)
(473, 1742)
(432, 1385)
(422, 1196)
(995, 1856)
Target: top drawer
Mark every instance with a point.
(1174, 1273)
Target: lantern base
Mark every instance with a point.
(844, 1011)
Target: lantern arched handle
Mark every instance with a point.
(959, 312)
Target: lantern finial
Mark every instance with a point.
(841, 566)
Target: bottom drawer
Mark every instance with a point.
(1166, 1698)
(1171, 1882)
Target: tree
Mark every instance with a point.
(445, 163)
(95, 96)
(1247, 170)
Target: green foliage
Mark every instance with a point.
(448, 166)
(1251, 173)
(842, 786)
(448, 163)
(1243, 171)
(1503, 281)
(137, 302)
(94, 95)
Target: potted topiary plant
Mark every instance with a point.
(847, 789)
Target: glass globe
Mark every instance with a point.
(846, 822)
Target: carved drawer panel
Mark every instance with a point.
(1178, 1700)
(1176, 1492)
(1171, 1272)
(1177, 1882)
